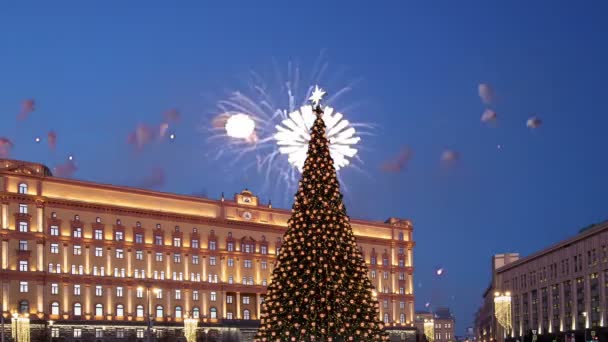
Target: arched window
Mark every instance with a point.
(98, 310)
(213, 313)
(22, 188)
(120, 310)
(54, 308)
(139, 311)
(402, 318)
(400, 236)
(385, 318)
(159, 311)
(196, 312)
(24, 307)
(77, 309)
(178, 312)
(246, 314)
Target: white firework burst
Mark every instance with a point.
(293, 136)
(282, 119)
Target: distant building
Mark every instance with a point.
(557, 294)
(560, 292)
(485, 322)
(442, 323)
(84, 260)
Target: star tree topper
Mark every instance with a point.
(317, 96)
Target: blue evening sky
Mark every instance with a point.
(96, 69)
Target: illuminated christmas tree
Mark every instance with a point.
(319, 289)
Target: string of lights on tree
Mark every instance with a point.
(319, 289)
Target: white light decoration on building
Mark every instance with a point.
(429, 329)
(502, 309)
(20, 328)
(190, 325)
(293, 135)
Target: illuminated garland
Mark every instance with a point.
(429, 330)
(502, 310)
(190, 325)
(20, 329)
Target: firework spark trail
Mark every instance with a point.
(278, 108)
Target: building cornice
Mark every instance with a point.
(597, 229)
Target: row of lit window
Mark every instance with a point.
(567, 284)
(158, 239)
(385, 275)
(159, 311)
(139, 292)
(577, 261)
(447, 336)
(386, 318)
(139, 255)
(99, 333)
(141, 274)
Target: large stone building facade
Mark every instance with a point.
(85, 258)
(559, 293)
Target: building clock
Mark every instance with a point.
(247, 215)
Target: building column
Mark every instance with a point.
(258, 277)
(168, 308)
(109, 261)
(109, 294)
(410, 258)
(65, 268)
(603, 294)
(149, 264)
(257, 306)
(129, 301)
(394, 304)
(87, 299)
(411, 312)
(5, 295)
(129, 252)
(40, 256)
(66, 297)
(4, 215)
(186, 297)
(186, 268)
(204, 262)
(540, 311)
(238, 305)
(40, 217)
(168, 266)
(562, 309)
(4, 249)
(572, 325)
(87, 260)
(550, 308)
(587, 283)
(40, 295)
(205, 311)
(223, 299)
